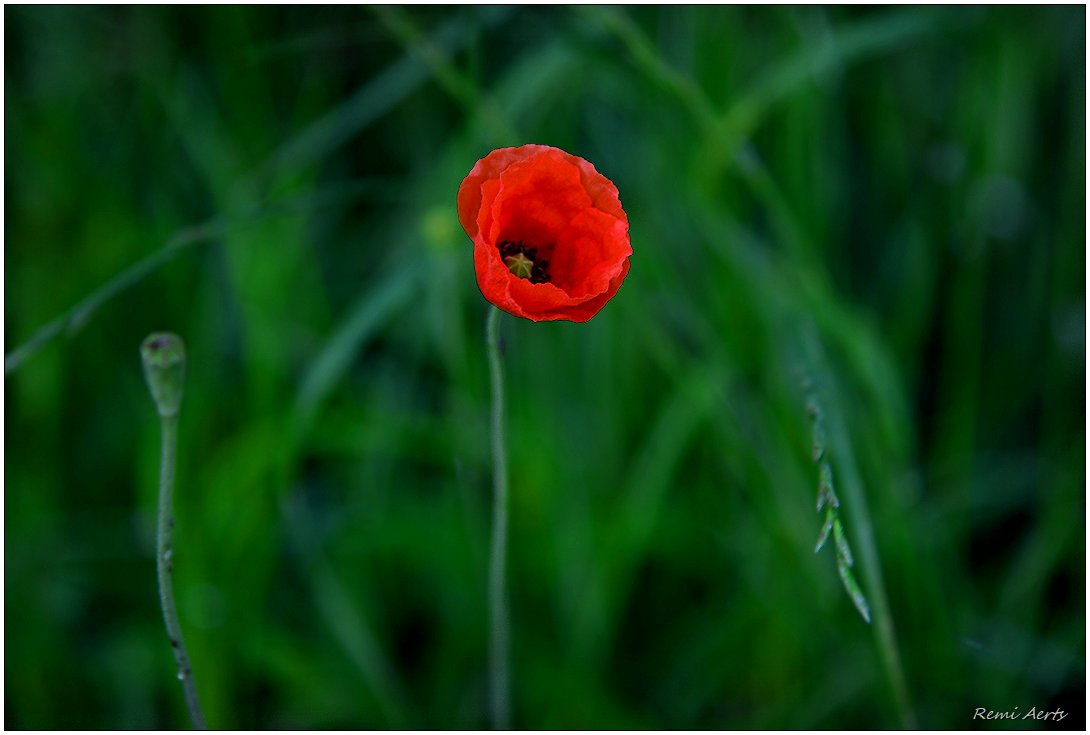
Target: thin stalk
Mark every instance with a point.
(885, 633)
(499, 643)
(164, 545)
(855, 505)
(71, 321)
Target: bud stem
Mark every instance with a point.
(164, 551)
(164, 367)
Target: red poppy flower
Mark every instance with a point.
(550, 240)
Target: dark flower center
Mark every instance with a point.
(523, 262)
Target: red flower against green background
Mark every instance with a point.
(550, 239)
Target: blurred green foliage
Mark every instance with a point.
(887, 202)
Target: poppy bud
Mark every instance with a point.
(164, 368)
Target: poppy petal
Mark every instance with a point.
(556, 211)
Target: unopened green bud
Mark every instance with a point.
(164, 367)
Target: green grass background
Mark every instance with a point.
(889, 202)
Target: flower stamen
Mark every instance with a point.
(519, 264)
(522, 261)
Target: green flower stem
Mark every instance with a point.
(164, 552)
(499, 644)
(163, 354)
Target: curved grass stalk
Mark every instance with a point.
(75, 318)
(724, 130)
(831, 422)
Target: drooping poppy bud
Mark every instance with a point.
(550, 239)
